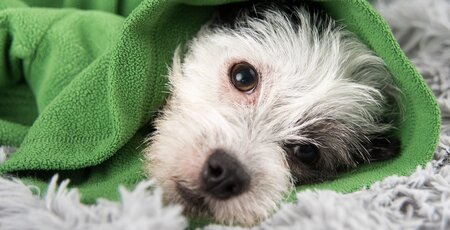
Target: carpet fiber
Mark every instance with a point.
(421, 200)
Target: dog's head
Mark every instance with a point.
(264, 103)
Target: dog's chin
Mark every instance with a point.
(198, 205)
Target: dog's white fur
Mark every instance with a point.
(305, 74)
(6, 152)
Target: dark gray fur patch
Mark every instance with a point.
(341, 148)
(336, 144)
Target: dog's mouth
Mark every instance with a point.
(192, 198)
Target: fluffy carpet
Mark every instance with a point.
(420, 201)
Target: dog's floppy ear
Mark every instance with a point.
(382, 148)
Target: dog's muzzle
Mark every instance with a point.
(223, 176)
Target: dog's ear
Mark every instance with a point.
(382, 148)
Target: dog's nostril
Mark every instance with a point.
(223, 176)
(215, 170)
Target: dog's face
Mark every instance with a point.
(263, 105)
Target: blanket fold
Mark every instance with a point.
(77, 87)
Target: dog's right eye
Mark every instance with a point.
(244, 77)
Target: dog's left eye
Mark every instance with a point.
(244, 77)
(308, 154)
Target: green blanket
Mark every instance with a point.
(78, 88)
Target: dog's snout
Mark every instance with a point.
(223, 176)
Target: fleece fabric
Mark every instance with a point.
(79, 87)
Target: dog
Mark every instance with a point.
(265, 98)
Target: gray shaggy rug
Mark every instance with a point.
(420, 201)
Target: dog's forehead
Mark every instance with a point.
(288, 70)
(277, 47)
(303, 71)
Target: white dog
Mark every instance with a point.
(274, 98)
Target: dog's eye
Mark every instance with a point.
(244, 77)
(308, 154)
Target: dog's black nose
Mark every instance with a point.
(223, 176)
